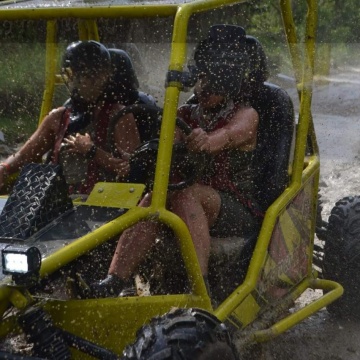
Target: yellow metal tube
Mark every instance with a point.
(114, 228)
(5, 292)
(290, 32)
(89, 12)
(96, 12)
(260, 251)
(88, 29)
(187, 250)
(112, 322)
(165, 144)
(333, 291)
(88, 242)
(306, 94)
(9, 325)
(177, 59)
(311, 50)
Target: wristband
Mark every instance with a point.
(6, 166)
(91, 153)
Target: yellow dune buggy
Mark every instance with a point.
(47, 240)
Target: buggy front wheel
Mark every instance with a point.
(190, 334)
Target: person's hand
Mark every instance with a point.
(198, 140)
(79, 143)
(122, 168)
(123, 154)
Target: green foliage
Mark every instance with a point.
(337, 25)
(22, 86)
(17, 130)
(339, 21)
(23, 49)
(266, 25)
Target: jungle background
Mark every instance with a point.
(22, 43)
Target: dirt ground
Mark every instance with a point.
(336, 113)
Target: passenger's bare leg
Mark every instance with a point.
(132, 247)
(199, 207)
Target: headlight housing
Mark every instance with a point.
(22, 262)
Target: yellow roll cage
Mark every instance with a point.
(305, 168)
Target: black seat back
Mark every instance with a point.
(123, 87)
(273, 150)
(276, 126)
(124, 84)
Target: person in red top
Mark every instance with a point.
(223, 126)
(76, 134)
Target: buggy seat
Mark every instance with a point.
(273, 150)
(272, 156)
(124, 87)
(124, 84)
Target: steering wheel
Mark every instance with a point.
(186, 167)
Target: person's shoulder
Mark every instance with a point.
(52, 120)
(245, 109)
(57, 112)
(113, 106)
(185, 110)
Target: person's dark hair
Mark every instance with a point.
(86, 56)
(223, 58)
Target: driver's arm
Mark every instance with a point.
(127, 139)
(239, 133)
(41, 141)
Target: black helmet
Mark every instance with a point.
(86, 56)
(82, 58)
(222, 57)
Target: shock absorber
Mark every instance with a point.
(48, 341)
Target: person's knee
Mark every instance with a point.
(146, 200)
(186, 195)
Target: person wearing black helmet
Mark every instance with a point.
(76, 133)
(221, 203)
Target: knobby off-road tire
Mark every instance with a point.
(184, 334)
(342, 256)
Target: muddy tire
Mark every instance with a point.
(342, 256)
(186, 334)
